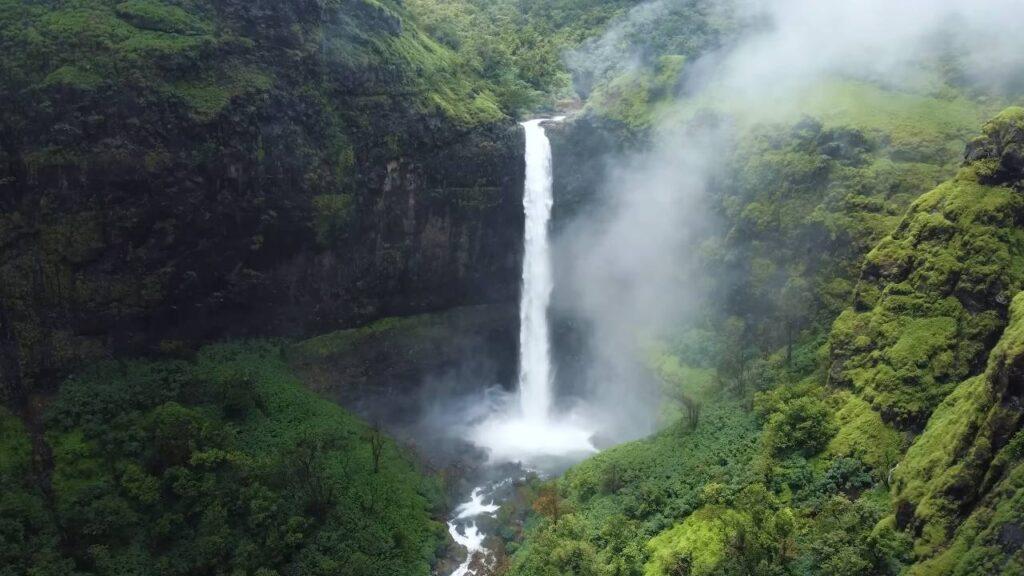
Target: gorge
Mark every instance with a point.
(511, 288)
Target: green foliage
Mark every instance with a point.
(631, 98)
(844, 538)
(698, 545)
(803, 424)
(933, 294)
(223, 465)
(688, 387)
(28, 538)
(965, 447)
(517, 47)
(626, 495)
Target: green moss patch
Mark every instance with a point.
(932, 295)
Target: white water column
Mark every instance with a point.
(535, 377)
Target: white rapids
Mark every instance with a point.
(471, 538)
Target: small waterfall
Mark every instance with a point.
(535, 378)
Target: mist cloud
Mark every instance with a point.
(630, 267)
(897, 43)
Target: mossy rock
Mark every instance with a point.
(999, 151)
(967, 447)
(931, 298)
(863, 434)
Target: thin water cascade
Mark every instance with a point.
(470, 537)
(535, 378)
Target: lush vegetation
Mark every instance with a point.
(542, 53)
(859, 289)
(517, 47)
(848, 402)
(223, 464)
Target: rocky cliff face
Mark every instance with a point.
(173, 175)
(582, 151)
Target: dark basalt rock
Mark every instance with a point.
(321, 189)
(999, 152)
(123, 261)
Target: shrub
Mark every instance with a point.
(802, 425)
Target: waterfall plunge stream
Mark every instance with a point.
(529, 431)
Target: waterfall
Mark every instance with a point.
(535, 378)
(530, 431)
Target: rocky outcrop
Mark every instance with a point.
(999, 151)
(582, 149)
(934, 342)
(968, 462)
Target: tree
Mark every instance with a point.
(733, 358)
(794, 304)
(311, 477)
(803, 425)
(690, 405)
(375, 438)
(548, 502)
